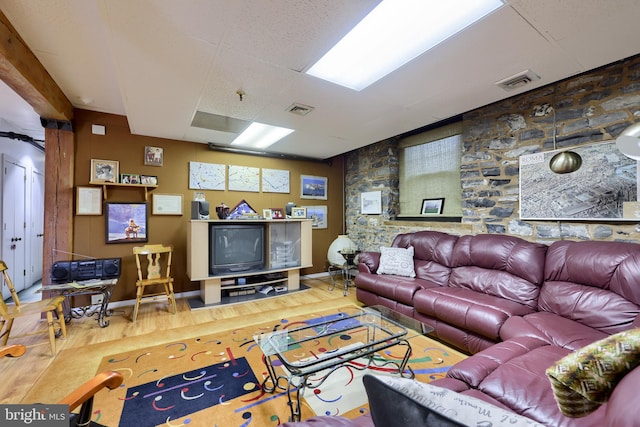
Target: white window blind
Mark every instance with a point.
(430, 168)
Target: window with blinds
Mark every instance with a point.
(430, 169)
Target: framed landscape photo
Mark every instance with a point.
(104, 170)
(432, 206)
(153, 156)
(298, 212)
(126, 222)
(313, 187)
(317, 215)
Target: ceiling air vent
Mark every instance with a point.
(518, 80)
(299, 109)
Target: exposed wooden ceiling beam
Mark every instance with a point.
(21, 71)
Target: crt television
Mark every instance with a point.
(236, 248)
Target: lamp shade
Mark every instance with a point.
(629, 141)
(340, 243)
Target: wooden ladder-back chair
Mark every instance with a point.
(152, 273)
(82, 396)
(14, 350)
(8, 313)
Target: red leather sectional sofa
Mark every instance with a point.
(516, 307)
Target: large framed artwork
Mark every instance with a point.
(605, 188)
(126, 222)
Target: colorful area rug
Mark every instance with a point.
(216, 380)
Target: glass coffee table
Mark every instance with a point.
(351, 338)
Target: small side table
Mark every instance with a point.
(346, 268)
(88, 287)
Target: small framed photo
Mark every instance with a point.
(126, 222)
(153, 156)
(266, 213)
(128, 178)
(432, 206)
(277, 213)
(298, 212)
(317, 215)
(148, 179)
(104, 170)
(313, 187)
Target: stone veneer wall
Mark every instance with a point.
(590, 108)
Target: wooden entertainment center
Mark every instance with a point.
(281, 268)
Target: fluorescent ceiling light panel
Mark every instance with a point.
(259, 135)
(394, 33)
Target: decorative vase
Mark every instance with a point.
(222, 210)
(341, 243)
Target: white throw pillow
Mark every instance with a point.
(412, 399)
(397, 261)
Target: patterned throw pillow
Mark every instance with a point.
(397, 261)
(584, 379)
(404, 402)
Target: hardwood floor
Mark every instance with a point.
(19, 374)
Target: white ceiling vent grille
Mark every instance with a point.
(299, 109)
(518, 80)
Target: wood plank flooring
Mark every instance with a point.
(19, 374)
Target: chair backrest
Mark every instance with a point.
(154, 255)
(7, 280)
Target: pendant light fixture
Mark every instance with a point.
(564, 161)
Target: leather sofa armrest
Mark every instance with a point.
(624, 398)
(368, 262)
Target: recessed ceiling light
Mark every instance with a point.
(394, 33)
(259, 135)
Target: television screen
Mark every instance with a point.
(236, 247)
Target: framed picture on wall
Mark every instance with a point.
(317, 215)
(126, 222)
(89, 201)
(153, 156)
(313, 187)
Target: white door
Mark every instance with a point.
(36, 231)
(14, 222)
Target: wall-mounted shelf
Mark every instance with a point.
(146, 187)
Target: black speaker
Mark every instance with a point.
(61, 271)
(199, 210)
(111, 268)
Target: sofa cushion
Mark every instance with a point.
(404, 402)
(585, 379)
(467, 309)
(396, 261)
(601, 309)
(552, 329)
(428, 245)
(401, 289)
(511, 254)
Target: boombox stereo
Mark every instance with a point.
(69, 271)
